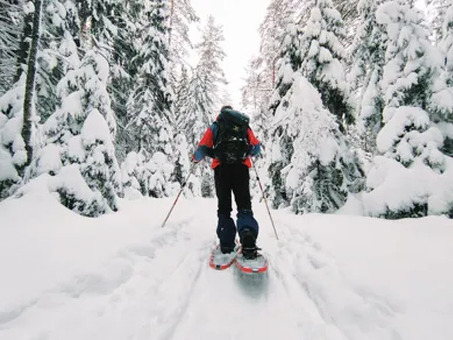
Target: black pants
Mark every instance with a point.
(232, 178)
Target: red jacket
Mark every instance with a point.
(207, 142)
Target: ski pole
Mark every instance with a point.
(265, 200)
(179, 193)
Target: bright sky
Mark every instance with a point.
(240, 20)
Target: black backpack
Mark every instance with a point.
(231, 144)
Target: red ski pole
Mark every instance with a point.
(179, 194)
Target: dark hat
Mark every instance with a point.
(226, 107)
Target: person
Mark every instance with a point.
(231, 163)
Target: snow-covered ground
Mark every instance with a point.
(122, 276)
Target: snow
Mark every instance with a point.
(122, 276)
(7, 169)
(49, 160)
(397, 121)
(95, 129)
(397, 188)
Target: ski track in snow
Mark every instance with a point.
(163, 288)
(343, 312)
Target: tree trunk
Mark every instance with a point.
(30, 82)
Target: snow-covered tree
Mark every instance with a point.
(311, 167)
(193, 107)
(150, 104)
(409, 142)
(180, 44)
(409, 60)
(80, 134)
(208, 71)
(127, 41)
(17, 106)
(11, 17)
(323, 60)
(200, 97)
(272, 31)
(13, 155)
(442, 98)
(150, 114)
(255, 97)
(367, 59)
(436, 10)
(289, 62)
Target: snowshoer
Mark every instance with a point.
(231, 142)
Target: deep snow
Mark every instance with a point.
(122, 276)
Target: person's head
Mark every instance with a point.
(226, 107)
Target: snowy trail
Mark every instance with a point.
(143, 282)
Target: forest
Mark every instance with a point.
(352, 100)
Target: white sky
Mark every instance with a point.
(240, 20)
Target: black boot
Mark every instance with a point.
(226, 249)
(248, 239)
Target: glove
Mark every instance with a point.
(194, 160)
(254, 150)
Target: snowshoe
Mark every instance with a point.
(221, 257)
(250, 261)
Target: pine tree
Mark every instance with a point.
(442, 100)
(310, 165)
(205, 93)
(18, 117)
(13, 155)
(149, 108)
(272, 31)
(436, 12)
(180, 44)
(11, 17)
(349, 14)
(82, 131)
(289, 62)
(409, 141)
(323, 61)
(127, 42)
(367, 59)
(255, 97)
(208, 71)
(150, 104)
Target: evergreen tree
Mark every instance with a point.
(149, 108)
(199, 98)
(442, 100)
(11, 17)
(323, 59)
(409, 141)
(127, 42)
(310, 165)
(289, 62)
(255, 97)
(13, 155)
(272, 31)
(180, 44)
(18, 117)
(208, 72)
(80, 140)
(436, 12)
(350, 16)
(193, 107)
(59, 18)
(367, 59)
(150, 105)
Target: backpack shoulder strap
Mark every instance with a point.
(215, 131)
